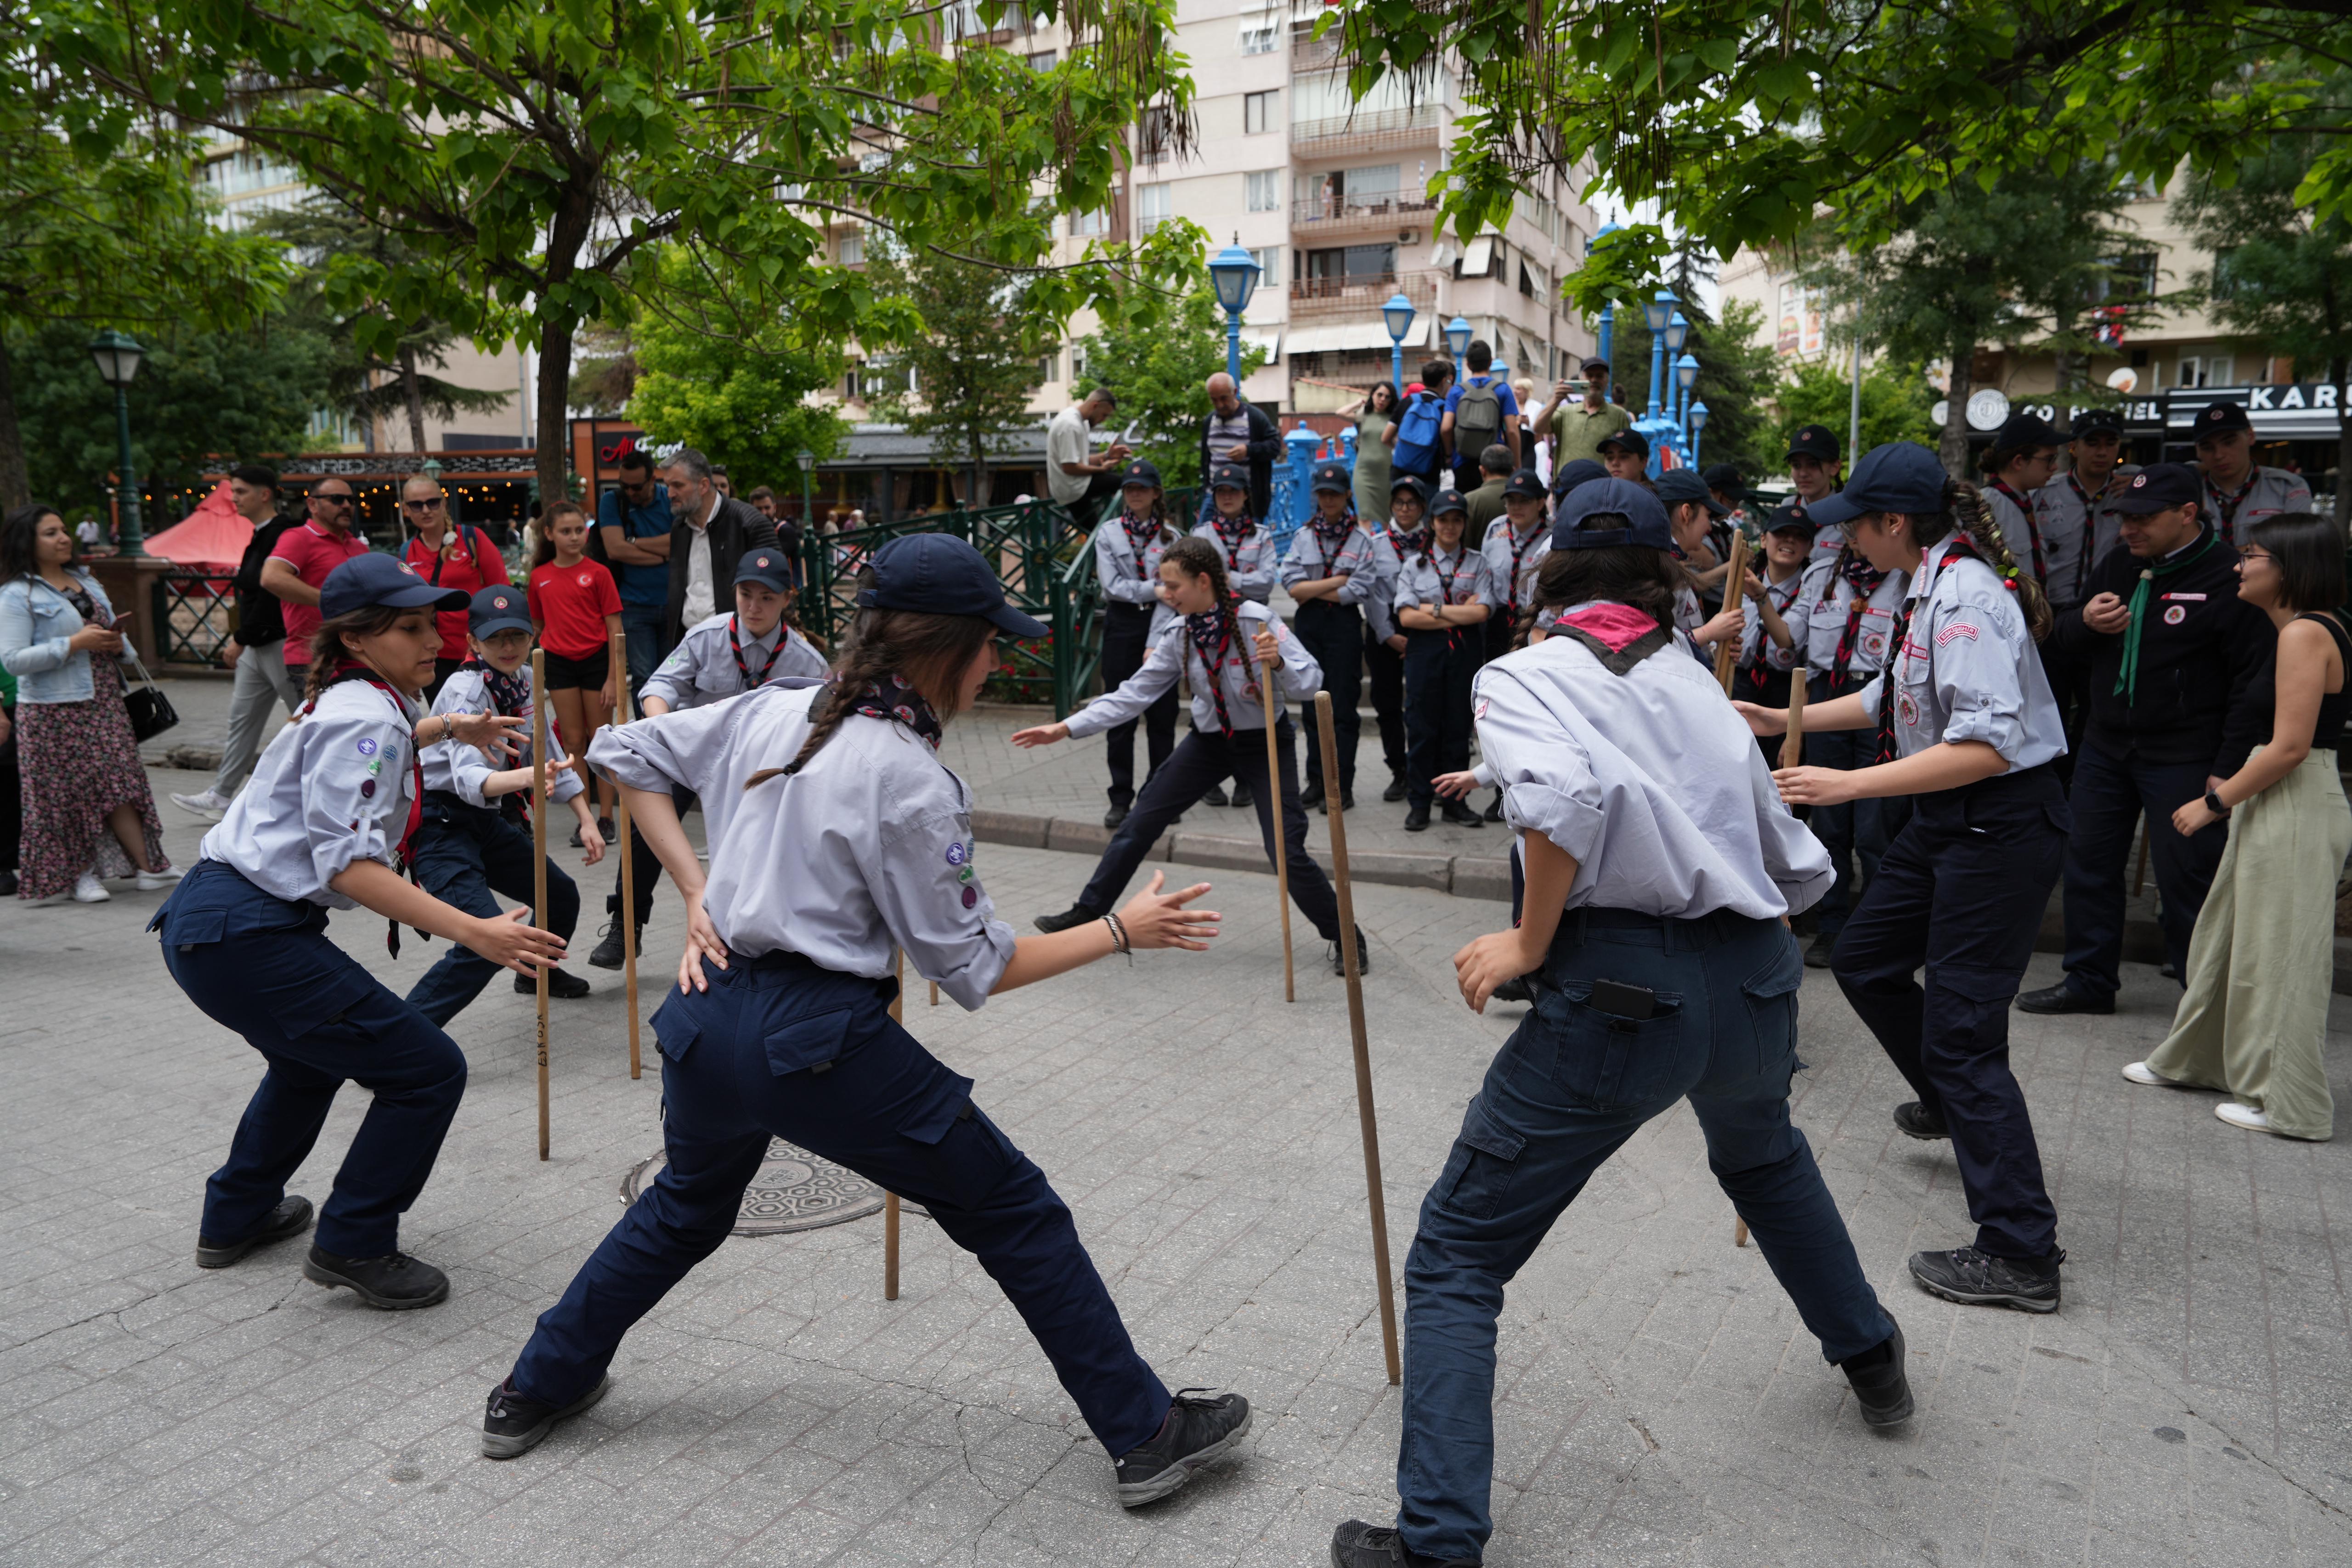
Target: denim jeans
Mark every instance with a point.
(1572, 1084)
(648, 626)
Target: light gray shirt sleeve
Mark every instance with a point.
(1157, 674)
(915, 869)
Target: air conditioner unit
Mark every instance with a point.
(1408, 236)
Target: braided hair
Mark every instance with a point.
(1965, 509)
(1197, 556)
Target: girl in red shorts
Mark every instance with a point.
(576, 608)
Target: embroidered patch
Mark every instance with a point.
(1481, 707)
(971, 896)
(1957, 629)
(376, 765)
(964, 875)
(955, 855)
(500, 602)
(367, 746)
(2176, 615)
(1907, 708)
(406, 567)
(367, 787)
(1875, 644)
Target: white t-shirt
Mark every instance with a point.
(701, 598)
(1069, 439)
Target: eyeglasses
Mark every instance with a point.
(432, 505)
(2248, 555)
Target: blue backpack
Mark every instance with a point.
(1418, 433)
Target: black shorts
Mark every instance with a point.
(590, 673)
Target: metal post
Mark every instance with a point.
(129, 535)
(1234, 346)
(1396, 367)
(1657, 367)
(1608, 331)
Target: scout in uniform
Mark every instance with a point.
(1126, 564)
(1218, 644)
(474, 841)
(1384, 644)
(2080, 500)
(838, 839)
(1967, 728)
(716, 659)
(330, 811)
(2238, 491)
(1770, 650)
(2016, 467)
(1660, 866)
(1814, 469)
(1513, 546)
(1329, 571)
(1693, 514)
(1444, 595)
(1251, 562)
(1626, 455)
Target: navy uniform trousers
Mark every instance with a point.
(780, 1048)
(1856, 832)
(2112, 788)
(1334, 633)
(1961, 894)
(1439, 667)
(263, 967)
(1202, 760)
(1570, 1086)
(1385, 667)
(468, 857)
(1126, 640)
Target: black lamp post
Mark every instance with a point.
(118, 355)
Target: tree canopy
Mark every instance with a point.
(1158, 371)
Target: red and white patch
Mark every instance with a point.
(1875, 644)
(1956, 630)
(582, 580)
(1481, 707)
(1909, 709)
(2176, 615)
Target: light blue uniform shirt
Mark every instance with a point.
(334, 787)
(1521, 582)
(454, 767)
(1440, 577)
(1310, 560)
(1249, 565)
(1968, 669)
(1818, 617)
(867, 849)
(1237, 672)
(1128, 578)
(701, 669)
(1388, 565)
(1649, 779)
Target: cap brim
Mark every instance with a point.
(1014, 624)
(1832, 509)
(503, 623)
(1713, 506)
(424, 595)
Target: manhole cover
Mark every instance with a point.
(795, 1190)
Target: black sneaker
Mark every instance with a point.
(1395, 791)
(1242, 798)
(1216, 795)
(1880, 1385)
(1916, 1121)
(1077, 914)
(290, 1218)
(568, 987)
(1416, 818)
(1355, 1544)
(1459, 813)
(514, 1424)
(1363, 956)
(1514, 989)
(1115, 816)
(1346, 800)
(1817, 956)
(1494, 808)
(576, 837)
(1978, 1279)
(2062, 997)
(394, 1282)
(1312, 795)
(609, 952)
(1198, 1431)
(605, 831)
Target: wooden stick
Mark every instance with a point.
(1735, 583)
(622, 712)
(1353, 964)
(1269, 691)
(1793, 748)
(890, 1199)
(539, 859)
(935, 993)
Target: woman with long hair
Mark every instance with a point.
(838, 839)
(1967, 727)
(2262, 961)
(89, 812)
(1373, 415)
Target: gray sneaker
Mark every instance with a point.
(1981, 1279)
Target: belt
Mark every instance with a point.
(1712, 929)
(776, 961)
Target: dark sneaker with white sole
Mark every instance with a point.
(1981, 1279)
(290, 1218)
(1355, 1544)
(1880, 1384)
(394, 1282)
(514, 1424)
(1197, 1432)
(1914, 1120)
(1077, 914)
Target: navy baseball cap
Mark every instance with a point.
(1227, 477)
(1645, 520)
(1724, 477)
(1899, 477)
(2093, 420)
(1676, 486)
(497, 608)
(1139, 472)
(1448, 501)
(2025, 431)
(939, 574)
(1526, 483)
(767, 566)
(1583, 471)
(2160, 487)
(2218, 418)
(1632, 440)
(373, 578)
(1412, 482)
(1791, 519)
(1333, 476)
(1814, 441)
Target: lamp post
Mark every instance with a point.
(118, 355)
(1398, 315)
(1608, 330)
(1698, 423)
(1234, 274)
(1686, 376)
(1457, 338)
(1657, 314)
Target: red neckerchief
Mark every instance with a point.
(2032, 528)
(1212, 637)
(1863, 579)
(510, 695)
(2228, 506)
(1957, 550)
(1231, 543)
(1445, 583)
(735, 647)
(1758, 669)
(1138, 543)
(1519, 548)
(352, 670)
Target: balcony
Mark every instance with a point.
(1316, 217)
(1320, 298)
(1309, 53)
(1374, 130)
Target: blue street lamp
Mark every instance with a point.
(1686, 375)
(1398, 314)
(1698, 423)
(118, 355)
(1608, 329)
(1457, 338)
(1234, 274)
(1657, 314)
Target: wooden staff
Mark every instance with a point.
(1353, 964)
(1735, 583)
(935, 993)
(890, 1199)
(1270, 691)
(621, 847)
(539, 859)
(1792, 746)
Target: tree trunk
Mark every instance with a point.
(16, 482)
(554, 432)
(412, 396)
(1954, 446)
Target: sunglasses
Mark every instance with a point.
(333, 500)
(433, 505)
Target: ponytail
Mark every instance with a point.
(1964, 507)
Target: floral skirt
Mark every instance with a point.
(80, 764)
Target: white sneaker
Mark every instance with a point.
(208, 803)
(2141, 1072)
(149, 881)
(87, 889)
(2244, 1116)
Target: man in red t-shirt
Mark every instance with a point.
(298, 568)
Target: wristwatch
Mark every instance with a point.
(2214, 803)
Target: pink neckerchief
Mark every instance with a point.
(1613, 625)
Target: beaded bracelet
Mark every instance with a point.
(1119, 937)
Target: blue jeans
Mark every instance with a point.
(1572, 1084)
(779, 1046)
(1855, 834)
(468, 857)
(648, 626)
(2111, 789)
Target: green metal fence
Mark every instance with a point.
(1049, 571)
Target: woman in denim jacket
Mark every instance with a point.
(78, 760)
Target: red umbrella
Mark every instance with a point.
(213, 536)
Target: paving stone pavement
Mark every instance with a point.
(1659, 1403)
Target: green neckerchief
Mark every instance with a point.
(2128, 678)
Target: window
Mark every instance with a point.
(1258, 33)
(852, 249)
(1151, 136)
(1077, 362)
(1151, 208)
(1269, 260)
(2221, 371)
(1328, 270)
(1258, 113)
(1042, 60)
(1049, 368)
(2131, 276)
(1265, 191)
(879, 377)
(1085, 223)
